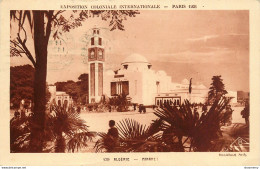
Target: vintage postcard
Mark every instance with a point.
(129, 83)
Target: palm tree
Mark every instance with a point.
(68, 129)
(64, 131)
(182, 131)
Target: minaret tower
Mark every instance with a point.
(96, 58)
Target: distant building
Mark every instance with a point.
(232, 95)
(59, 97)
(145, 86)
(242, 96)
(199, 92)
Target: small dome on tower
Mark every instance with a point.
(96, 31)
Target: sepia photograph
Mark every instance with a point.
(92, 81)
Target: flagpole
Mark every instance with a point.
(190, 89)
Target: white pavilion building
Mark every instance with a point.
(137, 80)
(143, 85)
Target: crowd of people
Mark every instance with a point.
(226, 114)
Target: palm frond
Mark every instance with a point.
(19, 134)
(79, 141)
(239, 130)
(100, 145)
(137, 137)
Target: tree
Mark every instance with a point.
(41, 24)
(21, 84)
(83, 87)
(217, 89)
(60, 86)
(77, 90)
(70, 87)
(120, 102)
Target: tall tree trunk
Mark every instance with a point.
(40, 44)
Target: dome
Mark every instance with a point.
(185, 82)
(135, 58)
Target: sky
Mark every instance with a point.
(185, 44)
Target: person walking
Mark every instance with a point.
(134, 106)
(245, 113)
(140, 108)
(109, 108)
(144, 109)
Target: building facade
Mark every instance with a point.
(137, 80)
(59, 97)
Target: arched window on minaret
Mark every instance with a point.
(99, 41)
(100, 54)
(92, 54)
(92, 41)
